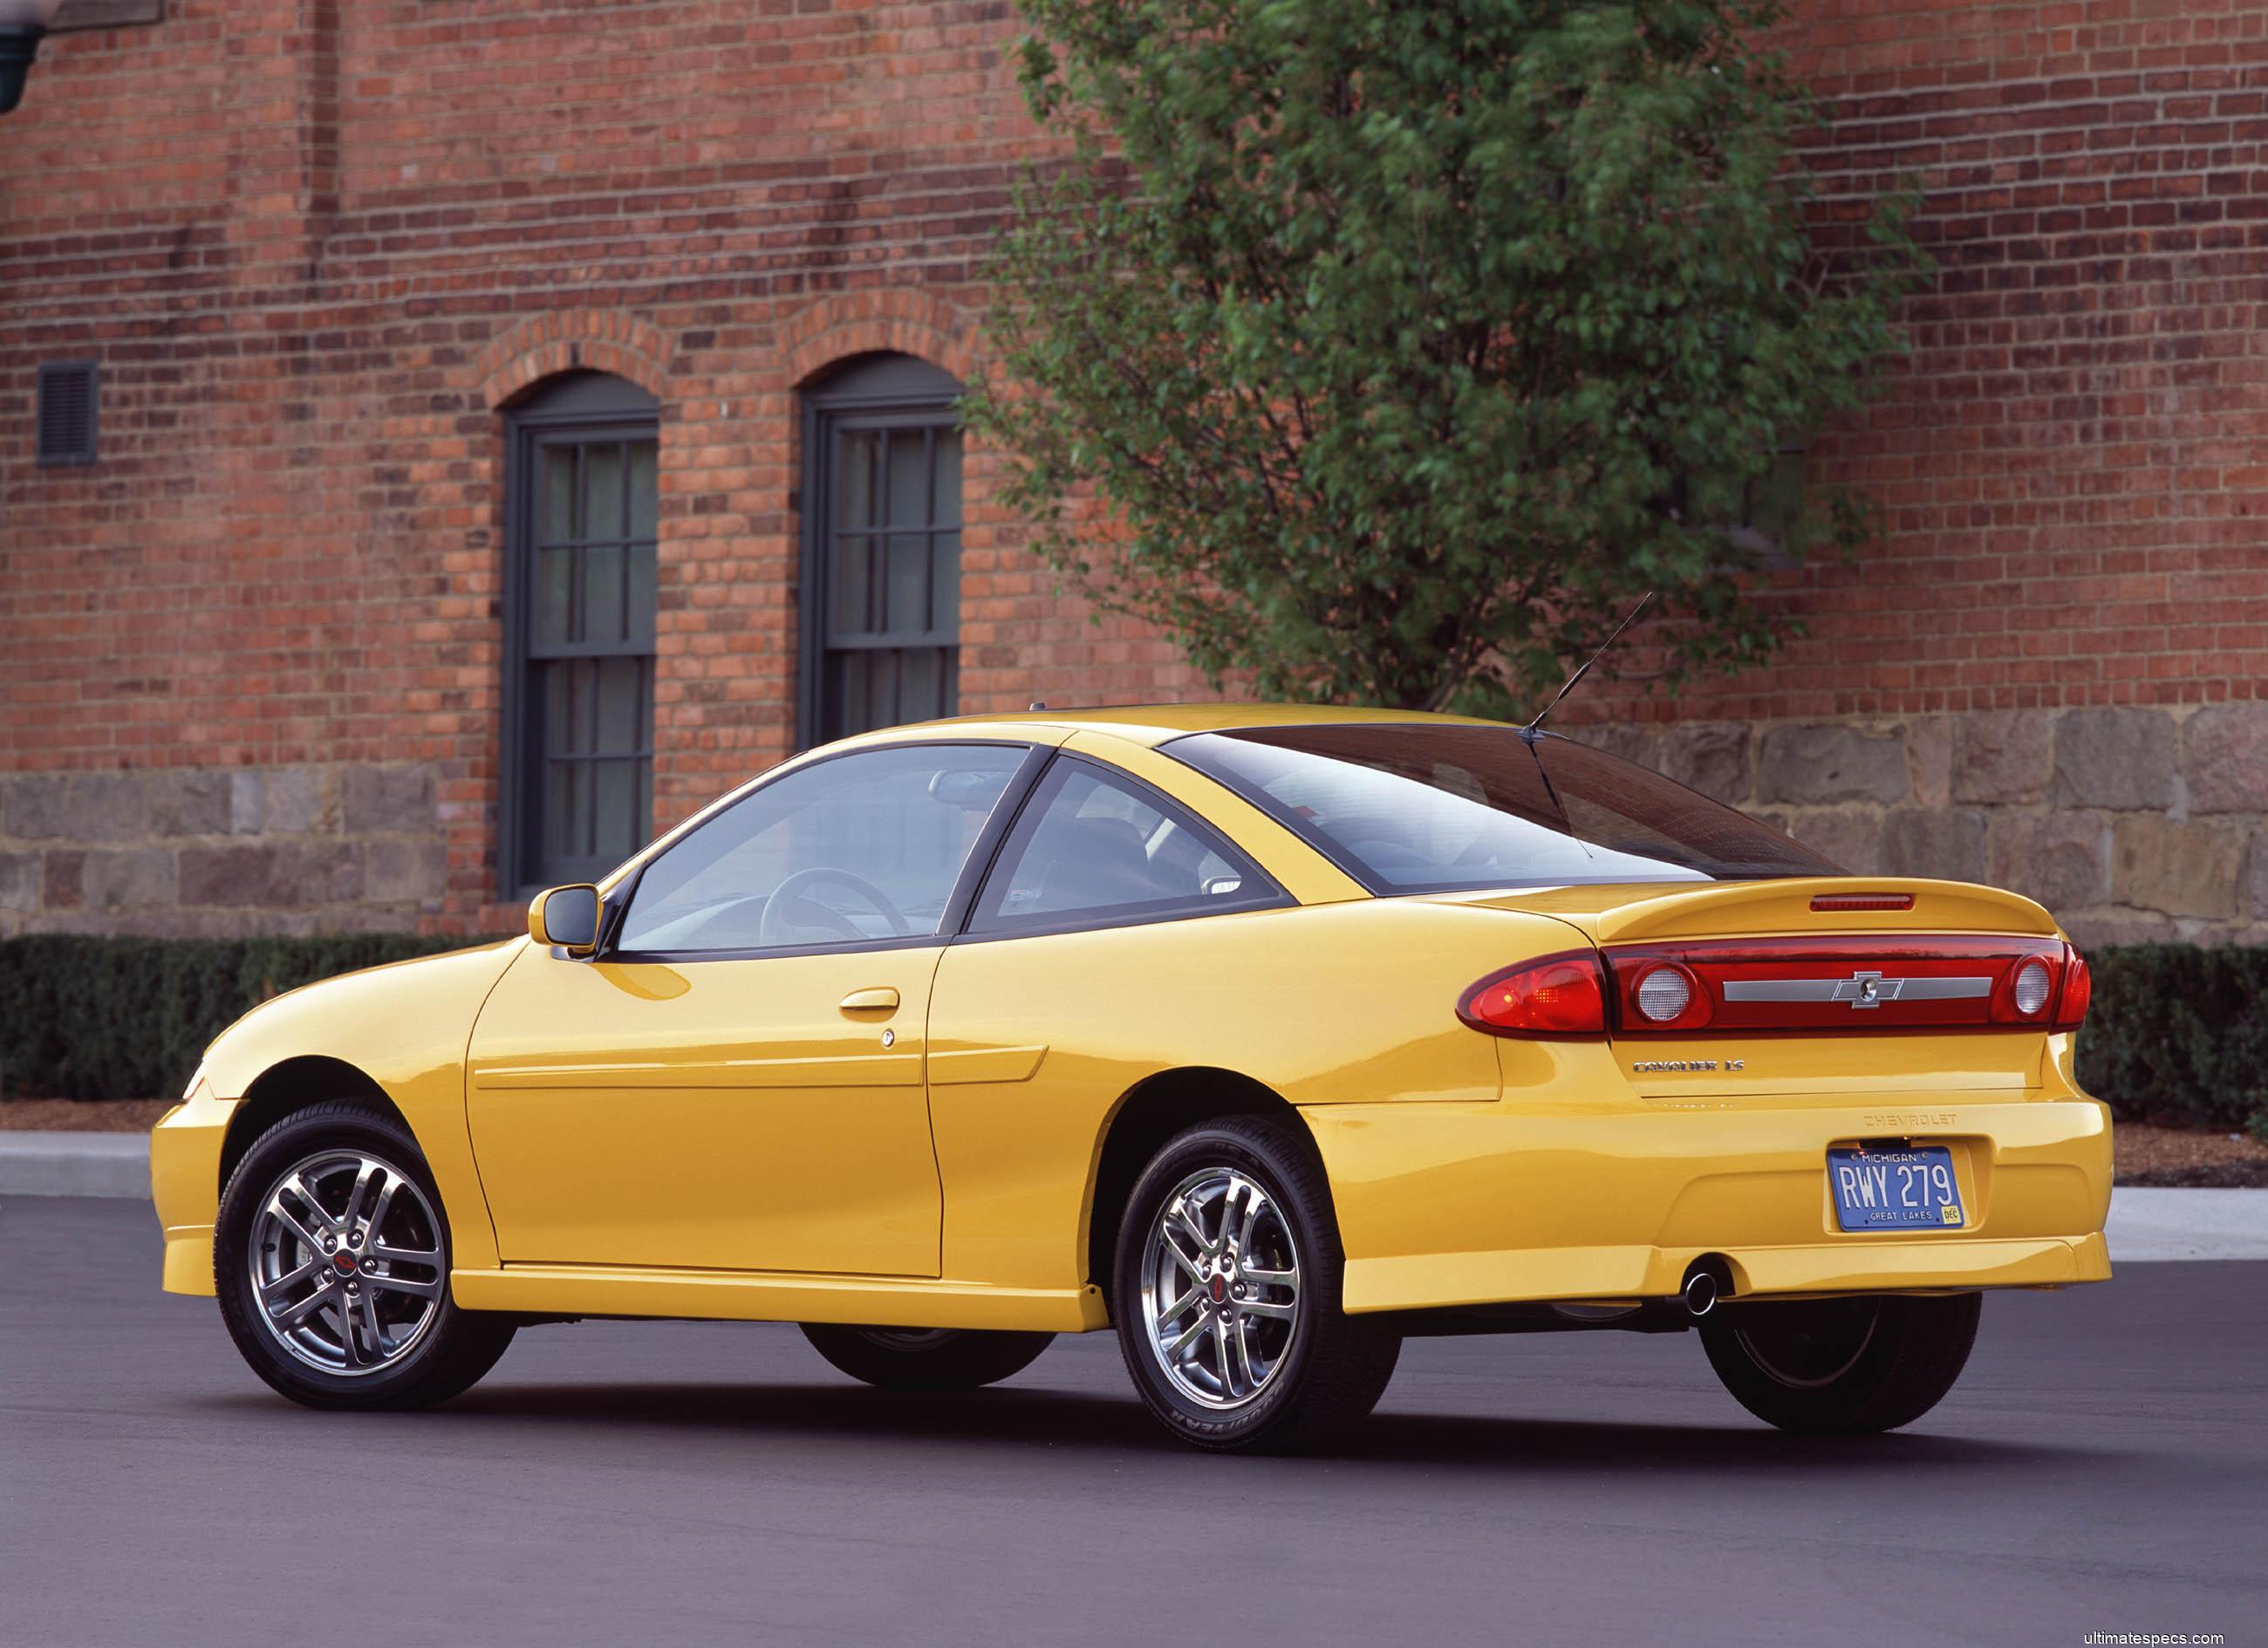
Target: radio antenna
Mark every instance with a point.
(1645, 601)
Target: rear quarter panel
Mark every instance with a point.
(1036, 1040)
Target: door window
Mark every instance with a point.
(865, 847)
(1093, 847)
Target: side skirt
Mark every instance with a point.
(745, 1295)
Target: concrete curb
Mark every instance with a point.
(75, 1165)
(2146, 1224)
(2149, 1225)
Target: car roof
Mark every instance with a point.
(1155, 724)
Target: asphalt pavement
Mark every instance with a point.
(2102, 1467)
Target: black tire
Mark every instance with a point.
(1327, 1371)
(927, 1359)
(1842, 1367)
(452, 1350)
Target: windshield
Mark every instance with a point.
(1430, 807)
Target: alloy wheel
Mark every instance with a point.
(1220, 1288)
(347, 1264)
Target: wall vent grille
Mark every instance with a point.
(67, 412)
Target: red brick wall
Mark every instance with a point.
(2051, 673)
(2074, 467)
(317, 246)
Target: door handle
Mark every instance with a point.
(882, 1000)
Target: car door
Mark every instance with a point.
(735, 1081)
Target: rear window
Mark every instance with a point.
(1419, 807)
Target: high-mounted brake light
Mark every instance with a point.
(1554, 995)
(1826, 903)
(2077, 990)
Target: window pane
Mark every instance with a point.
(581, 680)
(567, 807)
(645, 489)
(619, 701)
(945, 583)
(852, 588)
(908, 479)
(907, 607)
(881, 689)
(615, 790)
(844, 695)
(782, 865)
(949, 477)
(1089, 846)
(1414, 809)
(602, 516)
(640, 617)
(555, 595)
(603, 604)
(860, 454)
(1775, 498)
(921, 683)
(558, 693)
(554, 497)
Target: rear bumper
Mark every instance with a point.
(1448, 1204)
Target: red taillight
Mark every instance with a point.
(2077, 990)
(1826, 901)
(1554, 995)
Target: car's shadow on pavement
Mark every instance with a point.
(1073, 1425)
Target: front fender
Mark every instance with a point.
(404, 1027)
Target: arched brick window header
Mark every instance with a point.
(815, 341)
(569, 341)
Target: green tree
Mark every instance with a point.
(1406, 341)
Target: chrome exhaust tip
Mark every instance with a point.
(1700, 1294)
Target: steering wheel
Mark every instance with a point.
(788, 914)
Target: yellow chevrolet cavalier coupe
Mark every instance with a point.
(1268, 1037)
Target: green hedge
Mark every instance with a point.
(2176, 1034)
(91, 1018)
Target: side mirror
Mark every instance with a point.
(567, 916)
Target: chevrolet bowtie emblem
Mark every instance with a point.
(1869, 989)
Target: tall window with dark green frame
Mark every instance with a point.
(881, 624)
(584, 501)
